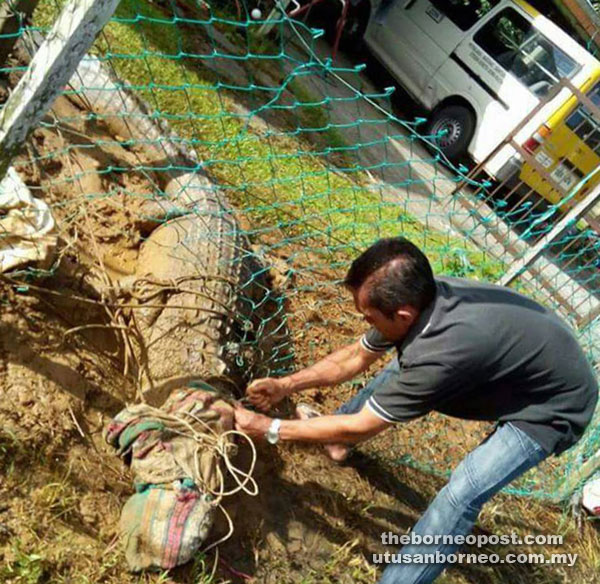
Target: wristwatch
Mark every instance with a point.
(272, 434)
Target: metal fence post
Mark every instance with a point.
(50, 69)
(578, 211)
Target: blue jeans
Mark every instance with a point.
(503, 456)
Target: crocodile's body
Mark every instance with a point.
(212, 298)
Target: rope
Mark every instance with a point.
(221, 445)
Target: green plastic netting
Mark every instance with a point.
(314, 165)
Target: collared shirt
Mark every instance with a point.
(485, 352)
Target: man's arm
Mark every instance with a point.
(339, 429)
(342, 365)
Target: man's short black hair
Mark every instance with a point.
(397, 272)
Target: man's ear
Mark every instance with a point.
(407, 313)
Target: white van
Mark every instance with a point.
(479, 66)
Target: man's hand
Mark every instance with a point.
(337, 429)
(338, 367)
(250, 423)
(265, 393)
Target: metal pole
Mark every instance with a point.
(279, 8)
(50, 69)
(509, 139)
(12, 16)
(585, 205)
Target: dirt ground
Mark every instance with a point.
(313, 521)
(62, 488)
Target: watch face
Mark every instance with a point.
(273, 432)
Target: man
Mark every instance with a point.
(466, 349)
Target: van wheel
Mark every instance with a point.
(457, 124)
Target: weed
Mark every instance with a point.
(10, 448)
(202, 570)
(22, 567)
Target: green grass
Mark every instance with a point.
(10, 449)
(312, 115)
(22, 567)
(276, 181)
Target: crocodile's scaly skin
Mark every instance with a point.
(213, 298)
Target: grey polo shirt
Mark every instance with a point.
(484, 352)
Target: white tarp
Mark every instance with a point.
(591, 496)
(27, 228)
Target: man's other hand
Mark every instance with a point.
(250, 423)
(265, 393)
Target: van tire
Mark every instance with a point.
(460, 123)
